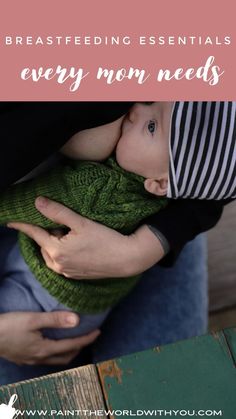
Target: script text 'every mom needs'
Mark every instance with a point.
(208, 73)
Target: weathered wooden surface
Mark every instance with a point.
(222, 261)
(190, 375)
(75, 390)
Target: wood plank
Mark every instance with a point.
(73, 390)
(189, 375)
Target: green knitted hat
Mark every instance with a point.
(103, 192)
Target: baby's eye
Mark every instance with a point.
(152, 126)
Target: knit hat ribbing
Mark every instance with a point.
(202, 150)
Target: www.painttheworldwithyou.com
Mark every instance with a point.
(7, 411)
(119, 413)
(116, 40)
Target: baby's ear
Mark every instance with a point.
(156, 186)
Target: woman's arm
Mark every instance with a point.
(91, 250)
(115, 255)
(182, 220)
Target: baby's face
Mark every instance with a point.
(144, 142)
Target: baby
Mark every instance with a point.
(183, 149)
(163, 149)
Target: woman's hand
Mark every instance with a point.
(22, 342)
(91, 250)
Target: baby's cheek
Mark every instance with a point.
(122, 158)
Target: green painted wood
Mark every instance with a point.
(230, 335)
(77, 390)
(196, 374)
(188, 376)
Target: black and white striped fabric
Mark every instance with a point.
(203, 150)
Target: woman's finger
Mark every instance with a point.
(48, 260)
(51, 263)
(53, 319)
(38, 234)
(60, 347)
(58, 212)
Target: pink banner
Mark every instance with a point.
(128, 50)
